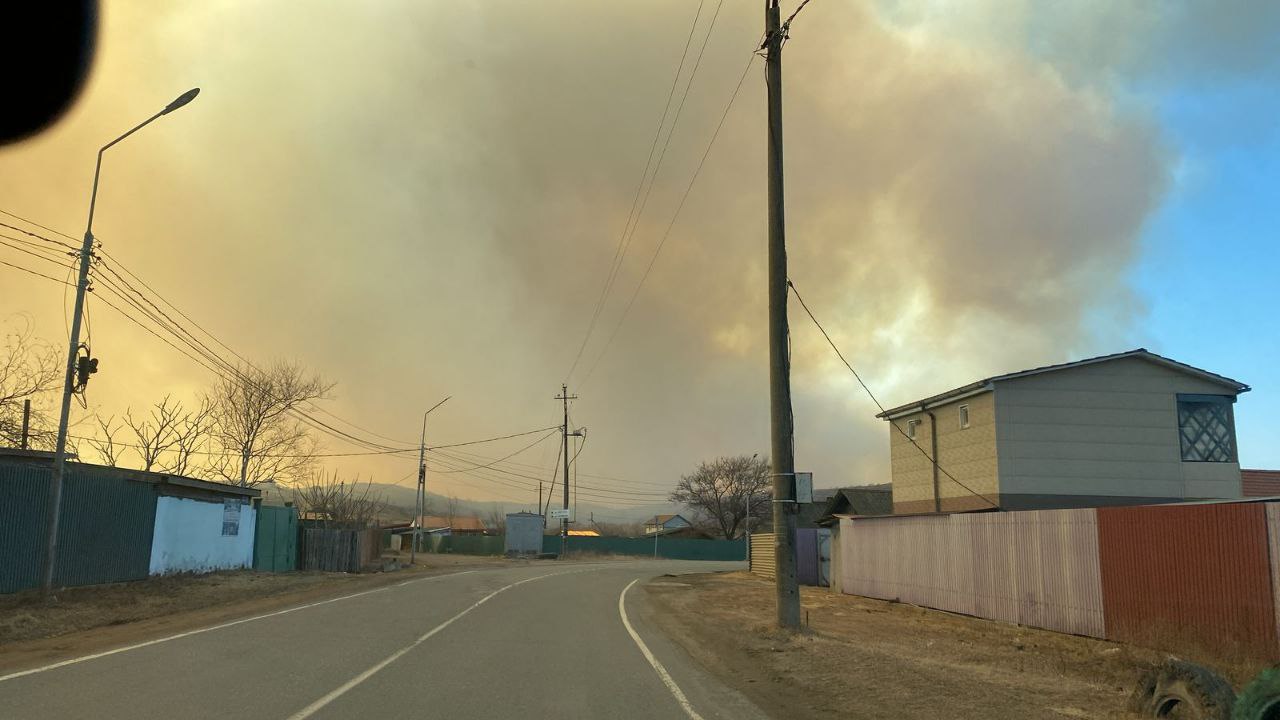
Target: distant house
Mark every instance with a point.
(457, 525)
(856, 500)
(1128, 428)
(583, 533)
(665, 524)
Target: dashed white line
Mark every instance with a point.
(189, 633)
(657, 666)
(316, 706)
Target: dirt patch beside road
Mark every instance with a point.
(874, 659)
(89, 619)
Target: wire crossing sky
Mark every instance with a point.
(427, 201)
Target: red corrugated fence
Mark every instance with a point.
(1197, 578)
(1188, 576)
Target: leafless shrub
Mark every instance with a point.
(156, 433)
(104, 442)
(333, 500)
(252, 426)
(30, 369)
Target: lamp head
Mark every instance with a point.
(181, 100)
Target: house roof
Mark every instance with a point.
(663, 519)
(860, 500)
(986, 383)
(459, 522)
(583, 533)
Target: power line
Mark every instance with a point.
(33, 272)
(517, 484)
(663, 154)
(492, 439)
(42, 227)
(667, 233)
(174, 326)
(619, 252)
(893, 424)
(505, 457)
(207, 357)
(523, 476)
(196, 350)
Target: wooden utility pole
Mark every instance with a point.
(418, 496)
(780, 421)
(564, 436)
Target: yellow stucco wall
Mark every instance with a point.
(966, 454)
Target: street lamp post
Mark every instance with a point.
(86, 254)
(420, 499)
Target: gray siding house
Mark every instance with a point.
(1128, 428)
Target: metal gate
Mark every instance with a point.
(824, 557)
(275, 540)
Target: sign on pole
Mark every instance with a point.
(559, 514)
(804, 487)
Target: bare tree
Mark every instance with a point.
(332, 499)
(252, 426)
(105, 441)
(451, 507)
(718, 492)
(30, 369)
(497, 520)
(190, 434)
(620, 529)
(156, 433)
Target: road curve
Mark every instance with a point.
(536, 640)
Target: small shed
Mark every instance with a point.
(524, 533)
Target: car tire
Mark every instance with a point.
(1183, 691)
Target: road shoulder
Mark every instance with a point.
(887, 660)
(93, 619)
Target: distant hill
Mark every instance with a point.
(401, 498)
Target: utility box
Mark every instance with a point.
(524, 534)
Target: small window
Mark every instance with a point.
(1206, 428)
(911, 428)
(964, 416)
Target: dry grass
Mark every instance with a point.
(26, 616)
(889, 660)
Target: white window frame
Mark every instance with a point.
(911, 429)
(963, 413)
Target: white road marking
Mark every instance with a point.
(189, 633)
(318, 705)
(657, 666)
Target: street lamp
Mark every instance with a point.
(86, 253)
(420, 499)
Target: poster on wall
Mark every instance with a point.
(231, 516)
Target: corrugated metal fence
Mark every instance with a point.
(811, 565)
(1035, 568)
(667, 547)
(763, 560)
(104, 535)
(1189, 578)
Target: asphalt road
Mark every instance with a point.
(532, 641)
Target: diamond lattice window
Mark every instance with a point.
(1206, 427)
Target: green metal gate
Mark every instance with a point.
(275, 541)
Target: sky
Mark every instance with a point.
(421, 201)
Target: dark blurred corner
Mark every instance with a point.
(44, 59)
